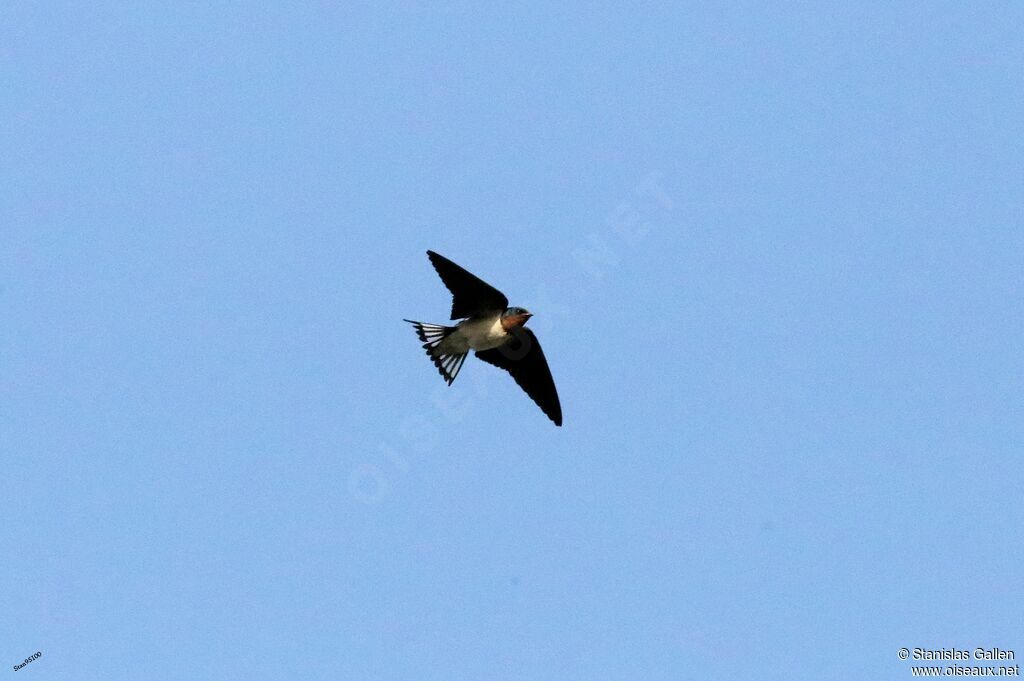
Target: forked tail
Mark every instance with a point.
(448, 365)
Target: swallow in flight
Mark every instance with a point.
(494, 330)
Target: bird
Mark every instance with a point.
(495, 332)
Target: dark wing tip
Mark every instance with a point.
(552, 411)
(555, 413)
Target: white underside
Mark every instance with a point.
(475, 334)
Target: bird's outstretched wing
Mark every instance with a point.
(471, 295)
(523, 358)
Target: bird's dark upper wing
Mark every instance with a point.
(523, 358)
(470, 294)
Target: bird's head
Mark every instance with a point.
(513, 317)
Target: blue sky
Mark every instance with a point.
(776, 259)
